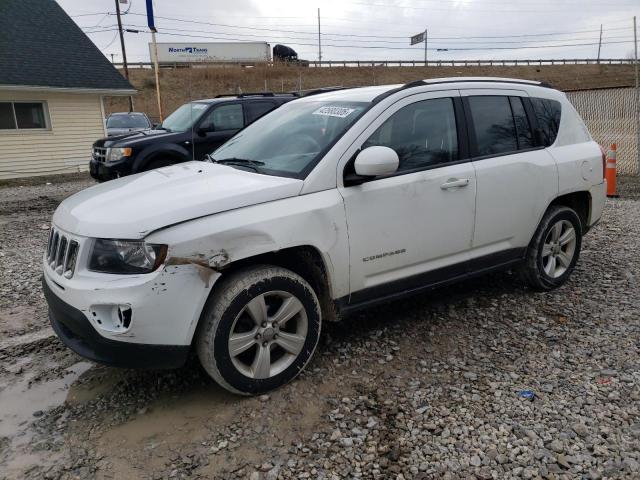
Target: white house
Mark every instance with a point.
(52, 83)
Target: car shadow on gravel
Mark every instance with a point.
(417, 309)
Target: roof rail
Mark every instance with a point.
(437, 81)
(254, 94)
(388, 93)
(316, 91)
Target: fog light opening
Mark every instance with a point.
(124, 315)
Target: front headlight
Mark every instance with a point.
(116, 154)
(126, 256)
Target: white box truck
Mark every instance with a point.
(242, 52)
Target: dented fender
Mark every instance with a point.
(216, 241)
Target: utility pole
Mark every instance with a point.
(124, 52)
(155, 68)
(425, 47)
(319, 41)
(112, 58)
(600, 43)
(151, 23)
(635, 58)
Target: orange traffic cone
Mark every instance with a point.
(611, 172)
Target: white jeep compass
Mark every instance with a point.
(331, 203)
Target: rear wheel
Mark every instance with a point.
(554, 250)
(259, 329)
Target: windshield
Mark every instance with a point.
(127, 121)
(288, 140)
(184, 117)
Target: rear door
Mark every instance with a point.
(516, 179)
(216, 127)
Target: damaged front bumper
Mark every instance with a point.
(75, 331)
(139, 320)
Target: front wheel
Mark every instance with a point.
(258, 329)
(554, 249)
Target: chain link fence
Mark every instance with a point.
(611, 116)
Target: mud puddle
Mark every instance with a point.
(22, 403)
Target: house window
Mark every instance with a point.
(23, 115)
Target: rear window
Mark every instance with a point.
(494, 125)
(257, 109)
(127, 121)
(548, 114)
(525, 136)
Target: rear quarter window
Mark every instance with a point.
(548, 113)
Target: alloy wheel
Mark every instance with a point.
(268, 334)
(559, 248)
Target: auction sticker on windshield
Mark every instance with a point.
(340, 112)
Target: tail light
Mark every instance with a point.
(604, 161)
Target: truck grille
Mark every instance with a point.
(62, 253)
(99, 154)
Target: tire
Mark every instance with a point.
(553, 251)
(158, 163)
(237, 307)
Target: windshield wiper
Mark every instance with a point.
(163, 128)
(242, 162)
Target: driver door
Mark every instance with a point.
(216, 127)
(415, 226)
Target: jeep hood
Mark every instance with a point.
(132, 207)
(135, 138)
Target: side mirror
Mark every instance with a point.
(375, 161)
(155, 125)
(202, 131)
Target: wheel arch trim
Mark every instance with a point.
(153, 151)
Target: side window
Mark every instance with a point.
(548, 114)
(224, 117)
(494, 125)
(257, 109)
(7, 117)
(523, 129)
(423, 134)
(22, 115)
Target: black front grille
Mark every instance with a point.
(62, 253)
(100, 154)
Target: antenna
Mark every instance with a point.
(319, 41)
(599, 44)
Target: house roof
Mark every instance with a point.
(42, 47)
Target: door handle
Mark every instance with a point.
(455, 183)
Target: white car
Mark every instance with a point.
(329, 204)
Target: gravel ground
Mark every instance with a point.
(430, 387)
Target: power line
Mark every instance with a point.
(236, 36)
(412, 49)
(115, 36)
(89, 14)
(484, 9)
(311, 33)
(403, 37)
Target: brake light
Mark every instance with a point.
(604, 161)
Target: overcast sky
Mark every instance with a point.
(468, 29)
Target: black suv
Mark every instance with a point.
(192, 131)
